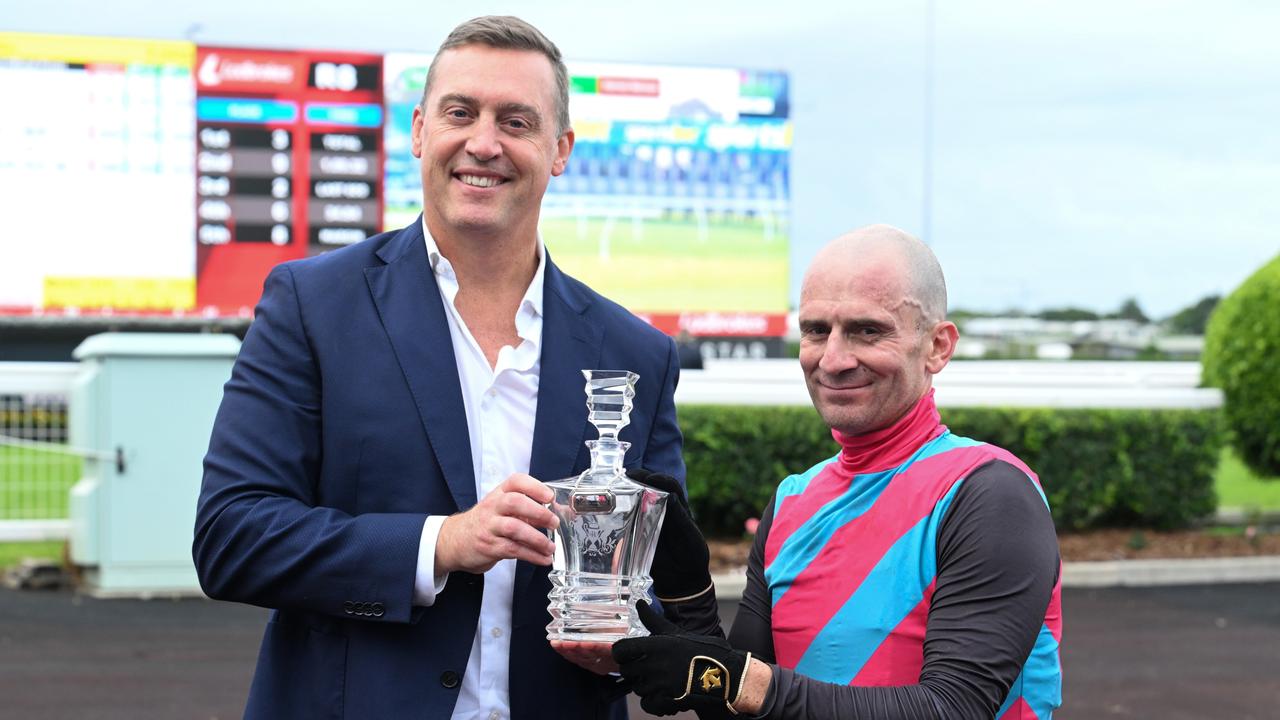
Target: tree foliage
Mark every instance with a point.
(1242, 356)
(1067, 314)
(1130, 310)
(1193, 319)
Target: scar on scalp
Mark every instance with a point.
(912, 301)
(908, 300)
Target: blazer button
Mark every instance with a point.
(348, 607)
(449, 679)
(378, 609)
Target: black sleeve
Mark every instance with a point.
(753, 625)
(997, 566)
(700, 615)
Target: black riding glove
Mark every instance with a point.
(681, 563)
(672, 670)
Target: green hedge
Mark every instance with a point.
(1242, 356)
(1152, 468)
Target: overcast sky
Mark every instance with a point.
(1083, 152)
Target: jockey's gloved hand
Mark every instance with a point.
(673, 670)
(681, 563)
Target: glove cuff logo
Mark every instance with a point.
(706, 674)
(710, 677)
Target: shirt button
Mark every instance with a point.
(493, 392)
(494, 715)
(496, 632)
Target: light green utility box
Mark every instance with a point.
(142, 407)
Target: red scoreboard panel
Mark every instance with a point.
(289, 161)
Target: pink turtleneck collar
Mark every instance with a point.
(892, 446)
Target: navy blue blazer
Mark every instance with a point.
(342, 427)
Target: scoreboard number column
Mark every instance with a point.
(244, 184)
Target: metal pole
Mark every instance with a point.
(926, 199)
(116, 456)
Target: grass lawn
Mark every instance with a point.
(12, 553)
(34, 484)
(1239, 487)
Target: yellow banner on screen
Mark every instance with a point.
(121, 293)
(87, 50)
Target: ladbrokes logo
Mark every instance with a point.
(238, 71)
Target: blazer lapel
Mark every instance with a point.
(408, 301)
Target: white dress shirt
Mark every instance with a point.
(501, 403)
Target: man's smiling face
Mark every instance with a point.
(488, 140)
(865, 360)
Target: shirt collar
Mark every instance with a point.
(530, 304)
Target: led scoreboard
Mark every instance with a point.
(288, 163)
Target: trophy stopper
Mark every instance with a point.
(609, 396)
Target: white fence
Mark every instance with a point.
(36, 469)
(1013, 383)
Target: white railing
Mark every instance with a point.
(1011, 383)
(37, 468)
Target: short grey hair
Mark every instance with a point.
(506, 32)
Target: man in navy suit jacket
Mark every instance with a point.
(343, 484)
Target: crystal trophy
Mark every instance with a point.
(608, 528)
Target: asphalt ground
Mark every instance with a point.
(1190, 652)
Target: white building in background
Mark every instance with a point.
(1016, 328)
(1114, 339)
(1128, 333)
(1181, 347)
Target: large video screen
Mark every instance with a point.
(675, 202)
(146, 177)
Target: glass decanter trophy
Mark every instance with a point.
(608, 528)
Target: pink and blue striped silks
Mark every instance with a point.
(851, 561)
